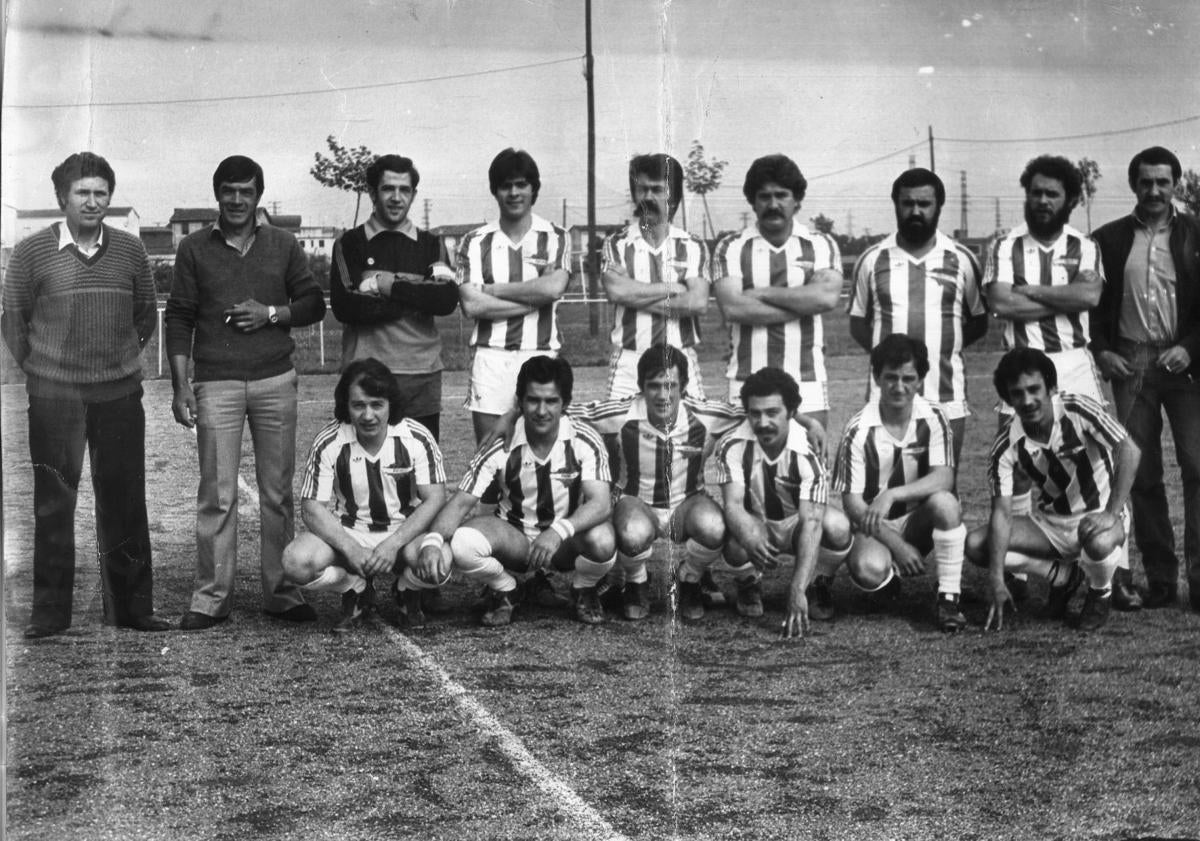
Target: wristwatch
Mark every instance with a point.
(272, 315)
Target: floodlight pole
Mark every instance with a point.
(590, 263)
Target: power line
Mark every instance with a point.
(867, 163)
(1111, 133)
(284, 94)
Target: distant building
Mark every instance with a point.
(31, 221)
(159, 243)
(188, 220)
(318, 239)
(452, 235)
(579, 247)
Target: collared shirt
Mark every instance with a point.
(373, 227)
(65, 239)
(1074, 470)
(870, 459)
(245, 246)
(678, 258)
(534, 492)
(774, 487)
(661, 467)
(1149, 310)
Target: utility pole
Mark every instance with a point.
(590, 262)
(962, 225)
(564, 215)
(912, 160)
(997, 214)
(428, 203)
(932, 168)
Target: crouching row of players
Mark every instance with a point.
(374, 499)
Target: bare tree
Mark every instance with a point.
(345, 169)
(1188, 191)
(1089, 170)
(702, 176)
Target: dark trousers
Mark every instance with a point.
(115, 434)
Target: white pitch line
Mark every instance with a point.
(586, 819)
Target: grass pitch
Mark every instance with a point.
(874, 727)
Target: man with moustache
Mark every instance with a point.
(387, 282)
(1146, 337)
(1041, 280)
(240, 286)
(79, 307)
(922, 283)
(773, 281)
(656, 275)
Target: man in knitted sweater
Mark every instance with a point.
(79, 307)
(239, 287)
(387, 282)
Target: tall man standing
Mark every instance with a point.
(79, 307)
(656, 275)
(387, 282)
(239, 287)
(773, 281)
(1147, 341)
(921, 283)
(511, 273)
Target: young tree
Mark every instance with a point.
(1090, 171)
(822, 223)
(703, 176)
(345, 169)
(1188, 191)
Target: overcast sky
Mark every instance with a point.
(835, 85)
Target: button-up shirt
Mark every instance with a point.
(1148, 310)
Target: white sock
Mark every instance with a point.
(828, 560)
(891, 574)
(589, 573)
(1099, 571)
(473, 558)
(948, 555)
(633, 567)
(697, 559)
(336, 579)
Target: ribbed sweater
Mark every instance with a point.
(211, 276)
(77, 321)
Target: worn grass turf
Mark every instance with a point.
(873, 727)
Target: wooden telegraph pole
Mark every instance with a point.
(590, 257)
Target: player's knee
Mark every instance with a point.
(706, 526)
(299, 567)
(634, 532)
(468, 546)
(945, 510)
(836, 533)
(975, 549)
(598, 543)
(1101, 543)
(869, 570)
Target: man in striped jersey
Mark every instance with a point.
(373, 484)
(922, 283)
(656, 275)
(660, 440)
(773, 281)
(774, 487)
(511, 273)
(554, 502)
(895, 471)
(1083, 463)
(78, 309)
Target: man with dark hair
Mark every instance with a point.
(922, 283)
(79, 307)
(510, 274)
(551, 479)
(895, 471)
(1083, 463)
(373, 484)
(240, 286)
(774, 488)
(773, 281)
(656, 275)
(387, 281)
(1146, 337)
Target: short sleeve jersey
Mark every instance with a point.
(774, 488)
(1074, 469)
(796, 346)
(676, 259)
(928, 299)
(487, 256)
(1016, 258)
(534, 492)
(870, 459)
(372, 492)
(661, 467)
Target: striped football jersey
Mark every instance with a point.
(774, 489)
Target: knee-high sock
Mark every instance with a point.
(336, 579)
(948, 555)
(473, 558)
(588, 573)
(828, 560)
(632, 567)
(697, 558)
(1099, 571)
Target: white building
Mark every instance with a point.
(31, 221)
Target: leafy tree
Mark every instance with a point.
(318, 264)
(345, 169)
(702, 176)
(823, 224)
(164, 273)
(1188, 191)
(1090, 171)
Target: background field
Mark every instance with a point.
(874, 727)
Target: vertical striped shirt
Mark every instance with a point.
(372, 492)
(1016, 258)
(488, 256)
(677, 259)
(1074, 470)
(796, 346)
(928, 299)
(661, 467)
(774, 489)
(535, 492)
(870, 459)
